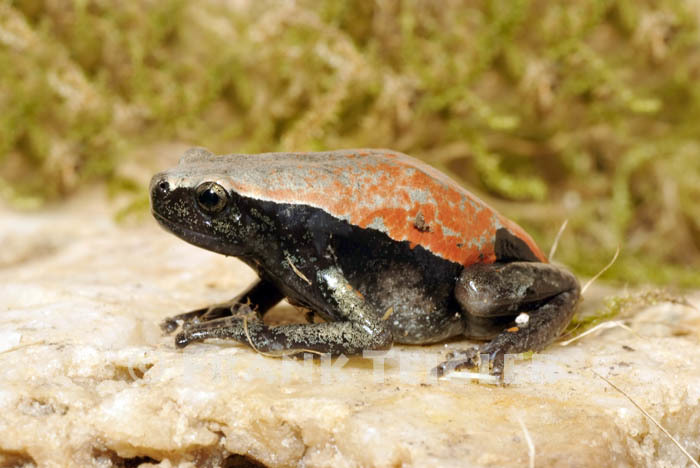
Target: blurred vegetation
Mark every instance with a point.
(587, 110)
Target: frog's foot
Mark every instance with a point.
(524, 306)
(207, 314)
(334, 337)
(260, 297)
(543, 325)
(458, 360)
(359, 327)
(171, 324)
(488, 358)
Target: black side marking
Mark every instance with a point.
(510, 248)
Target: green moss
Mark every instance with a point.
(585, 110)
(622, 307)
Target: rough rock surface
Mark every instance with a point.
(86, 379)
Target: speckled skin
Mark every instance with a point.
(384, 248)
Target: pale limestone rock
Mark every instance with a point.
(86, 379)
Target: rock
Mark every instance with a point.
(87, 379)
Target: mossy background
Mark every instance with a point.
(581, 110)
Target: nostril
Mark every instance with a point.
(163, 186)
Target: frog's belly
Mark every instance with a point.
(417, 327)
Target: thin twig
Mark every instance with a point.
(668, 434)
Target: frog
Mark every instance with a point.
(383, 248)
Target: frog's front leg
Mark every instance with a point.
(358, 327)
(492, 296)
(260, 297)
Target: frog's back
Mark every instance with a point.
(372, 189)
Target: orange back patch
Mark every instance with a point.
(378, 189)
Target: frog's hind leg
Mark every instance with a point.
(358, 327)
(260, 297)
(492, 296)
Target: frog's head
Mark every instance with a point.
(196, 203)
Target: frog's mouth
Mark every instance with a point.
(193, 237)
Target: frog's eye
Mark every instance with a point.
(211, 197)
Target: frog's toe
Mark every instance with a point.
(245, 311)
(182, 340)
(168, 326)
(174, 322)
(193, 332)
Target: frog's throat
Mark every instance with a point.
(204, 241)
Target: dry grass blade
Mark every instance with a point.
(605, 268)
(553, 250)
(485, 378)
(22, 346)
(282, 353)
(600, 326)
(528, 440)
(297, 271)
